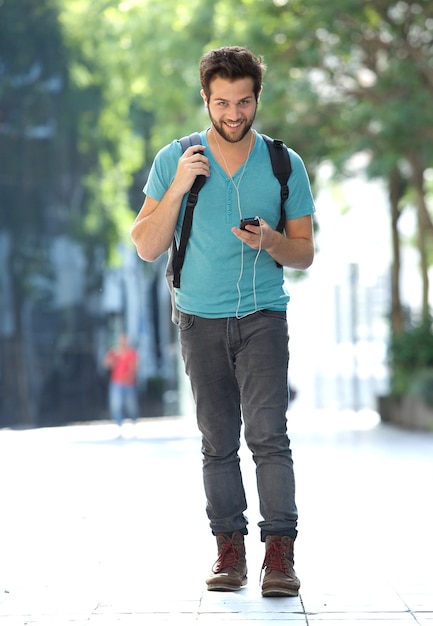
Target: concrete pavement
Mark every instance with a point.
(99, 530)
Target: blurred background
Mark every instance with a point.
(89, 92)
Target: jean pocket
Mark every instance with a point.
(186, 321)
(280, 315)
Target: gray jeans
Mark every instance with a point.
(238, 371)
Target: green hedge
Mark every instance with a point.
(411, 361)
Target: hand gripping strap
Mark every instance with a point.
(178, 253)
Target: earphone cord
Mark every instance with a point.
(236, 186)
(254, 279)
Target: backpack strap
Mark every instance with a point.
(193, 139)
(178, 253)
(282, 168)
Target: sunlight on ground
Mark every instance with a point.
(299, 420)
(328, 420)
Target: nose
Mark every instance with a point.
(233, 112)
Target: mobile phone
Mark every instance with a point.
(250, 221)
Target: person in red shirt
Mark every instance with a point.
(122, 361)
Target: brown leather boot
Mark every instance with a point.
(280, 578)
(229, 573)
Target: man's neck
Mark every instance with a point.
(230, 155)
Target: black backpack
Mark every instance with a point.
(281, 167)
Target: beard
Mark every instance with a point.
(233, 136)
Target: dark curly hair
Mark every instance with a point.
(231, 63)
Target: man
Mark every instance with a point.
(232, 304)
(122, 361)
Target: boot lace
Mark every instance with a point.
(275, 557)
(228, 557)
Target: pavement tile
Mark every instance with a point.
(62, 619)
(142, 619)
(369, 619)
(418, 602)
(218, 603)
(342, 602)
(135, 605)
(252, 619)
(424, 619)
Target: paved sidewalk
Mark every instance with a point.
(103, 531)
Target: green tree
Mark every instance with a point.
(33, 71)
(364, 83)
(50, 182)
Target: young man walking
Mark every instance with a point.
(232, 303)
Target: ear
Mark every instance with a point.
(203, 95)
(259, 94)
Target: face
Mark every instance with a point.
(232, 107)
(123, 342)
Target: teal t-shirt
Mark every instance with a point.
(220, 276)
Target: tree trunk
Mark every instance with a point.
(16, 406)
(396, 187)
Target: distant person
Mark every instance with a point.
(122, 361)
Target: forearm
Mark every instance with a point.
(294, 248)
(150, 238)
(296, 253)
(153, 229)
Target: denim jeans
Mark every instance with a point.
(122, 400)
(238, 372)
